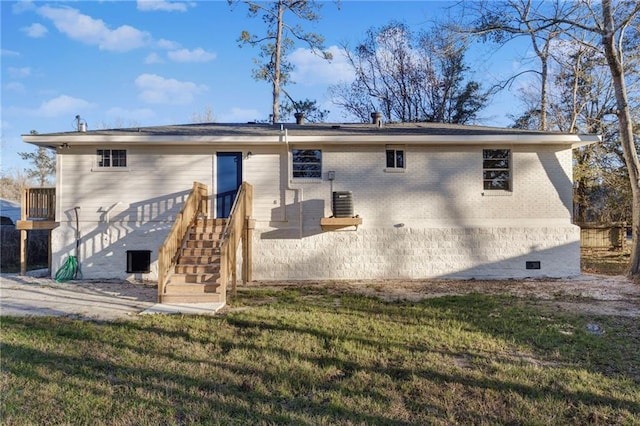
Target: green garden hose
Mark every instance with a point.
(68, 270)
(71, 268)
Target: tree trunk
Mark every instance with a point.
(612, 56)
(543, 93)
(276, 65)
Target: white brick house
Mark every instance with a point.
(434, 200)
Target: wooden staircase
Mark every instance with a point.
(196, 275)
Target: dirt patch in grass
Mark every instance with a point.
(589, 293)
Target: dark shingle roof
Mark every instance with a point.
(311, 129)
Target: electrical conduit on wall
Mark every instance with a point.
(299, 192)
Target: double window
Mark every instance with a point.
(307, 163)
(111, 158)
(496, 169)
(395, 158)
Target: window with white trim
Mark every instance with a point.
(496, 169)
(111, 158)
(307, 163)
(395, 157)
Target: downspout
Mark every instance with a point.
(299, 193)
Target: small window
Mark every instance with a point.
(111, 158)
(395, 158)
(496, 169)
(307, 163)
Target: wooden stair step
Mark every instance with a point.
(187, 278)
(203, 243)
(196, 277)
(197, 269)
(189, 252)
(204, 236)
(192, 298)
(199, 288)
(210, 224)
(199, 259)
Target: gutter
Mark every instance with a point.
(574, 140)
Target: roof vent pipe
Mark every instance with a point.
(299, 117)
(376, 118)
(81, 124)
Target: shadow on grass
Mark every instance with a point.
(325, 359)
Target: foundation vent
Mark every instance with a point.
(138, 261)
(532, 264)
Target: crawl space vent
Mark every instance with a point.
(138, 261)
(532, 264)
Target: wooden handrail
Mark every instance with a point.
(38, 203)
(195, 205)
(236, 228)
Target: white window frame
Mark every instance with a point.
(317, 178)
(110, 168)
(508, 169)
(395, 168)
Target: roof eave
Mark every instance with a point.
(498, 139)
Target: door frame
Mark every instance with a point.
(228, 200)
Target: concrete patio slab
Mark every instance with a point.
(186, 309)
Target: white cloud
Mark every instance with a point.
(164, 5)
(131, 115)
(167, 44)
(88, 30)
(19, 72)
(196, 55)
(61, 106)
(35, 30)
(23, 6)
(153, 58)
(311, 69)
(15, 87)
(5, 52)
(155, 89)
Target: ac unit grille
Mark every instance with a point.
(342, 204)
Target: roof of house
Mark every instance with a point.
(340, 133)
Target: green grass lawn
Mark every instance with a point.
(310, 356)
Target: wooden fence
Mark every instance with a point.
(603, 236)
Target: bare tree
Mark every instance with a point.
(410, 77)
(43, 163)
(504, 21)
(308, 108)
(12, 184)
(279, 39)
(205, 117)
(613, 25)
(611, 28)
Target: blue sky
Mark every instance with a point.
(140, 63)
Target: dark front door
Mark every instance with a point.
(228, 180)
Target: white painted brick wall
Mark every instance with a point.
(103, 249)
(420, 253)
(433, 220)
